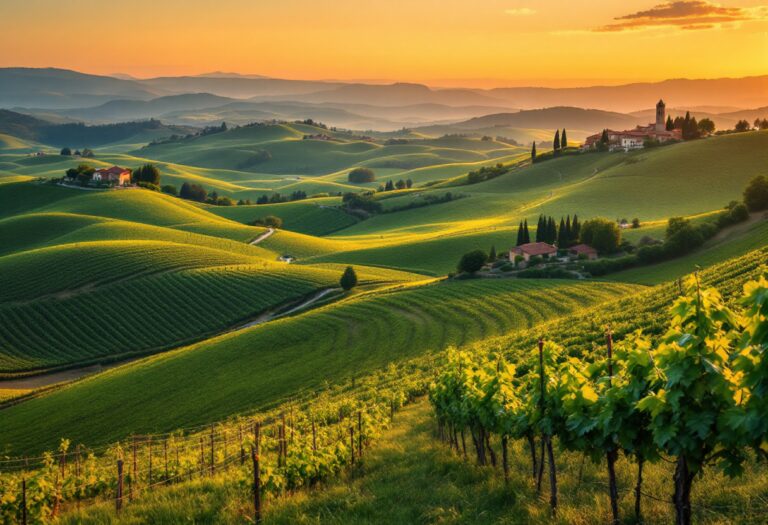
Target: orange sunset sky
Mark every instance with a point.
(479, 43)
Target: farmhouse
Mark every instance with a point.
(635, 138)
(116, 175)
(583, 250)
(532, 249)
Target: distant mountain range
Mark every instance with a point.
(60, 88)
(59, 96)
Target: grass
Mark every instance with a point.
(410, 477)
(257, 367)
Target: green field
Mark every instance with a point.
(257, 367)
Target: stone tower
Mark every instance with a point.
(661, 116)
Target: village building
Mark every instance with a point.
(583, 250)
(633, 139)
(532, 249)
(114, 175)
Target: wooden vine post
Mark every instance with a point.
(352, 444)
(165, 459)
(149, 447)
(119, 496)
(612, 453)
(256, 472)
(314, 437)
(202, 456)
(242, 449)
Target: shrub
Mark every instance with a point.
(270, 221)
(756, 194)
(348, 279)
(602, 234)
(606, 266)
(472, 261)
(361, 175)
(148, 186)
(66, 152)
(170, 189)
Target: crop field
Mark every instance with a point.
(259, 366)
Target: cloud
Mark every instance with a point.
(520, 11)
(690, 15)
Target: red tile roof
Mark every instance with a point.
(535, 248)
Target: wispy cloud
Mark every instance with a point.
(520, 11)
(687, 15)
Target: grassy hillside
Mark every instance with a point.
(257, 367)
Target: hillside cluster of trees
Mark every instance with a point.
(559, 145)
(690, 127)
(86, 153)
(486, 173)
(361, 176)
(208, 130)
(277, 198)
(547, 230)
(399, 185)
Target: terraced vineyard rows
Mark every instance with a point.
(37, 273)
(255, 367)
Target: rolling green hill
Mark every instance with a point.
(258, 366)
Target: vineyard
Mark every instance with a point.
(695, 395)
(273, 453)
(153, 296)
(256, 367)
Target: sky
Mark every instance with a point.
(477, 43)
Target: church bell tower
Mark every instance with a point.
(661, 116)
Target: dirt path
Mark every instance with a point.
(266, 235)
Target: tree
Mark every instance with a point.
(361, 175)
(409, 183)
(193, 192)
(551, 231)
(562, 240)
(348, 279)
(756, 194)
(271, 221)
(146, 173)
(635, 223)
(556, 143)
(742, 126)
(602, 234)
(526, 234)
(472, 261)
(520, 235)
(533, 152)
(563, 140)
(66, 152)
(706, 126)
(400, 185)
(540, 226)
(492, 254)
(87, 153)
(604, 137)
(170, 189)
(670, 124)
(575, 229)
(389, 186)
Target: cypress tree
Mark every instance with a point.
(526, 234)
(563, 140)
(562, 240)
(539, 228)
(575, 229)
(556, 145)
(533, 152)
(549, 237)
(492, 254)
(568, 231)
(604, 137)
(520, 234)
(670, 124)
